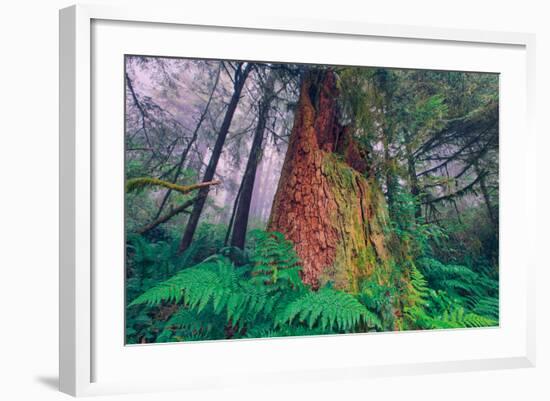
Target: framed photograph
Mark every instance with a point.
(290, 200)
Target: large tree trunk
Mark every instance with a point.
(239, 80)
(238, 236)
(335, 216)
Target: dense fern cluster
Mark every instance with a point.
(219, 298)
(444, 308)
(462, 292)
(227, 293)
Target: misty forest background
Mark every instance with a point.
(267, 199)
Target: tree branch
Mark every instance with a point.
(460, 192)
(141, 111)
(142, 182)
(163, 219)
(190, 143)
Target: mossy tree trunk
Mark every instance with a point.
(335, 215)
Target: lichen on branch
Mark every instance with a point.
(137, 184)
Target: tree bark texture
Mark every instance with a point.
(336, 217)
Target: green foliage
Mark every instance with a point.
(356, 102)
(381, 299)
(274, 260)
(415, 311)
(189, 325)
(458, 304)
(429, 113)
(138, 184)
(259, 293)
(458, 280)
(444, 265)
(487, 306)
(419, 236)
(218, 299)
(451, 284)
(329, 309)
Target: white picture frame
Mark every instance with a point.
(80, 340)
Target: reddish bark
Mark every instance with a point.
(300, 205)
(354, 155)
(304, 203)
(324, 204)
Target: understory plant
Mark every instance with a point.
(259, 293)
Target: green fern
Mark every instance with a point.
(329, 309)
(457, 279)
(416, 315)
(459, 318)
(274, 260)
(187, 324)
(259, 293)
(473, 292)
(215, 281)
(380, 299)
(487, 306)
(196, 286)
(431, 309)
(475, 320)
(267, 330)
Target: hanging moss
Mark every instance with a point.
(137, 184)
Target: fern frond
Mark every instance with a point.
(274, 260)
(459, 318)
(215, 282)
(329, 309)
(196, 286)
(457, 279)
(267, 330)
(475, 320)
(487, 306)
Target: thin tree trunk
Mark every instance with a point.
(391, 179)
(163, 219)
(189, 144)
(239, 81)
(232, 218)
(141, 112)
(413, 180)
(487, 199)
(238, 236)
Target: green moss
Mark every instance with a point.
(361, 217)
(137, 184)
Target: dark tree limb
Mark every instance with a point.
(163, 219)
(240, 78)
(232, 218)
(455, 155)
(240, 223)
(481, 120)
(461, 192)
(141, 111)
